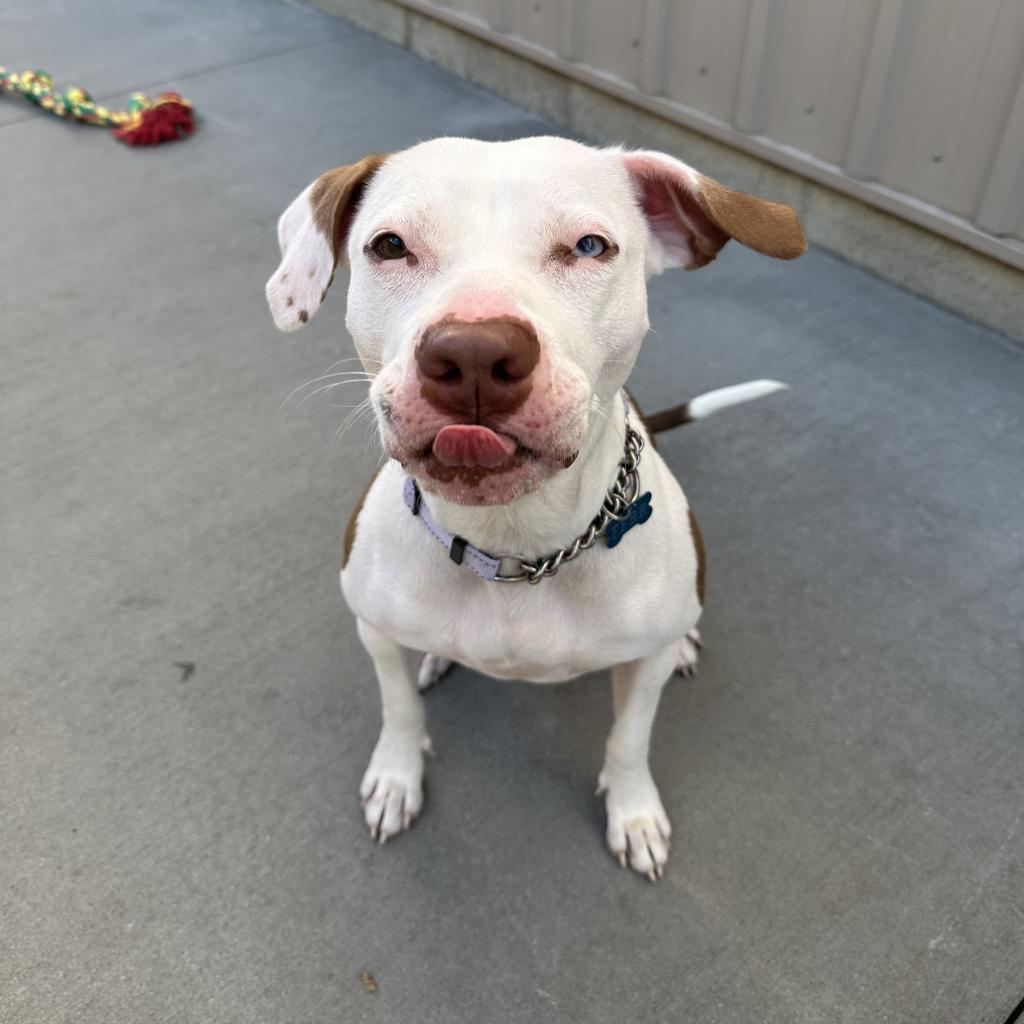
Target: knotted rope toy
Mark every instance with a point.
(146, 122)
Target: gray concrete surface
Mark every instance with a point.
(844, 774)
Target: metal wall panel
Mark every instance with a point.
(539, 23)
(916, 105)
(702, 60)
(611, 37)
(818, 58)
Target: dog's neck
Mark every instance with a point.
(559, 510)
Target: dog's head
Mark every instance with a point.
(498, 290)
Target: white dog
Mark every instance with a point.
(498, 298)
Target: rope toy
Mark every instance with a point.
(146, 122)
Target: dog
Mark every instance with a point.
(523, 523)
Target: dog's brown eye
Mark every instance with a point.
(389, 247)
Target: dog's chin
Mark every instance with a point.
(522, 473)
(481, 485)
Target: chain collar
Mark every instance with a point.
(615, 508)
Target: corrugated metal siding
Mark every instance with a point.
(915, 105)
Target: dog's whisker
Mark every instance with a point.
(598, 411)
(364, 406)
(372, 434)
(335, 383)
(347, 377)
(596, 408)
(350, 359)
(325, 388)
(347, 374)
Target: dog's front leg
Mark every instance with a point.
(392, 788)
(638, 828)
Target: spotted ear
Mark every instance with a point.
(692, 216)
(312, 234)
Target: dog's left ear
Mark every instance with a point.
(692, 216)
(312, 234)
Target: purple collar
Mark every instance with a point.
(459, 549)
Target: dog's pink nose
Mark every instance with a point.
(480, 369)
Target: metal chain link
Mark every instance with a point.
(620, 496)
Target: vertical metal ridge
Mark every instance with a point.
(654, 47)
(569, 41)
(755, 81)
(864, 151)
(1001, 208)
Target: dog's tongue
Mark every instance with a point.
(473, 445)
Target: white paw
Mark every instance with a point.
(432, 667)
(392, 788)
(638, 827)
(689, 653)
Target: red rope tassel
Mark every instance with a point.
(167, 120)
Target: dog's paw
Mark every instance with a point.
(392, 788)
(689, 653)
(638, 827)
(432, 667)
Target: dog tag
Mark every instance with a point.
(637, 513)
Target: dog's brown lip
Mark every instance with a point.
(430, 465)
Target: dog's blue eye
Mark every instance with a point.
(590, 246)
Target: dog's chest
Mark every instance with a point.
(575, 623)
(540, 637)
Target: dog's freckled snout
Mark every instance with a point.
(477, 369)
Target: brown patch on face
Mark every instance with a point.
(336, 194)
(350, 529)
(469, 475)
(304, 315)
(766, 227)
(291, 301)
(698, 544)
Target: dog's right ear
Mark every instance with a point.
(691, 216)
(312, 234)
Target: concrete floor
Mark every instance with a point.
(845, 774)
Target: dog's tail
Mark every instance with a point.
(702, 406)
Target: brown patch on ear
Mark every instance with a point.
(698, 544)
(335, 195)
(350, 529)
(766, 227)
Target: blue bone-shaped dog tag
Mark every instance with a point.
(637, 512)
